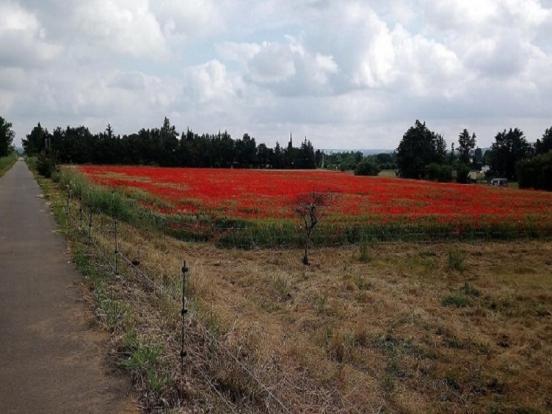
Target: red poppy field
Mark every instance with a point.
(265, 195)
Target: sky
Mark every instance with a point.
(345, 74)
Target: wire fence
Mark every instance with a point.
(93, 227)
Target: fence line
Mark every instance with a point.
(161, 289)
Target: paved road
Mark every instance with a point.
(51, 359)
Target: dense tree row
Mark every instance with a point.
(165, 147)
(6, 137)
(422, 154)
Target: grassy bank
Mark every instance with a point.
(143, 315)
(7, 162)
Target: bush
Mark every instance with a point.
(438, 172)
(462, 173)
(367, 167)
(536, 172)
(45, 165)
(456, 260)
(456, 299)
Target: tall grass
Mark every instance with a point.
(7, 162)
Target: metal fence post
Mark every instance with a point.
(80, 213)
(68, 202)
(184, 311)
(90, 226)
(116, 247)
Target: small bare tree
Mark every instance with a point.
(309, 207)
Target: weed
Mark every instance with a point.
(456, 260)
(281, 287)
(361, 283)
(456, 299)
(364, 256)
(469, 290)
(320, 304)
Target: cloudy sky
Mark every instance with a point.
(344, 73)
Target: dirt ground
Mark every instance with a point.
(400, 327)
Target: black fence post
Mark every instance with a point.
(183, 313)
(80, 214)
(68, 202)
(90, 226)
(116, 247)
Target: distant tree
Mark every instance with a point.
(279, 157)
(367, 167)
(438, 172)
(264, 156)
(478, 158)
(462, 172)
(509, 148)
(386, 161)
(536, 172)
(542, 146)
(466, 144)
(246, 151)
(167, 151)
(306, 156)
(35, 142)
(418, 148)
(452, 156)
(6, 137)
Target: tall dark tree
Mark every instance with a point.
(478, 158)
(168, 138)
(466, 145)
(36, 141)
(509, 148)
(543, 145)
(419, 147)
(6, 137)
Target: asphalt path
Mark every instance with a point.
(52, 358)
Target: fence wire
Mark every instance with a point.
(87, 225)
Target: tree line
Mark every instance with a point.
(166, 147)
(423, 154)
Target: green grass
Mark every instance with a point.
(458, 300)
(7, 162)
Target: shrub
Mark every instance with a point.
(45, 165)
(462, 173)
(367, 167)
(456, 299)
(456, 260)
(438, 172)
(536, 172)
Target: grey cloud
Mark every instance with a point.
(343, 72)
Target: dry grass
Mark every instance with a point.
(399, 327)
(406, 331)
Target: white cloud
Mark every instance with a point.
(188, 18)
(343, 72)
(122, 26)
(22, 38)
